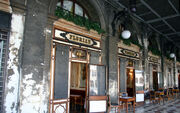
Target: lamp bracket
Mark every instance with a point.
(117, 16)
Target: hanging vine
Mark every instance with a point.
(130, 41)
(78, 20)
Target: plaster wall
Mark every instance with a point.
(123, 76)
(150, 76)
(13, 64)
(34, 84)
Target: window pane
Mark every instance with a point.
(80, 54)
(86, 16)
(59, 4)
(78, 10)
(97, 80)
(68, 5)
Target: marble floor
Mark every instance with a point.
(171, 106)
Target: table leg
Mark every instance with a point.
(134, 106)
(126, 107)
(119, 109)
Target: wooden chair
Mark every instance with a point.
(170, 91)
(160, 94)
(166, 94)
(175, 91)
(125, 94)
(153, 96)
(115, 106)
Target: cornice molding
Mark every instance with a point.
(5, 6)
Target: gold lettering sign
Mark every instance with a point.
(153, 59)
(129, 53)
(76, 39)
(79, 39)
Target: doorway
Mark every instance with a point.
(78, 87)
(130, 82)
(155, 80)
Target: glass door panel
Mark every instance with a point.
(139, 84)
(97, 88)
(59, 79)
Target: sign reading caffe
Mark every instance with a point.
(153, 59)
(128, 53)
(77, 39)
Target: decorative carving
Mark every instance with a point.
(60, 106)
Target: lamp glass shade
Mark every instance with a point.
(126, 34)
(172, 55)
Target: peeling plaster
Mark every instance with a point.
(33, 96)
(11, 96)
(112, 88)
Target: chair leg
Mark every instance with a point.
(109, 110)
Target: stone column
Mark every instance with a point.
(13, 76)
(123, 76)
(34, 93)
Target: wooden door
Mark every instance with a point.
(59, 97)
(155, 80)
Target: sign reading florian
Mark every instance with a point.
(128, 53)
(77, 39)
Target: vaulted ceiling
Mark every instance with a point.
(162, 16)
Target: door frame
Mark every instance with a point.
(134, 85)
(55, 103)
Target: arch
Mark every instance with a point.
(95, 3)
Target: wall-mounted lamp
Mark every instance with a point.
(126, 34)
(172, 55)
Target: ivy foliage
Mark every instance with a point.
(153, 45)
(130, 41)
(154, 51)
(78, 20)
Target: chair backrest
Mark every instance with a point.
(161, 90)
(123, 94)
(166, 92)
(170, 90)
(152, 93)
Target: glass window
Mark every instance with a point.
(86, 16)
(58, 4)
(130, 63)
(78, 10)
(78, 75)
(3, 45)
(79, 54)
(75, 9)
(68, 5)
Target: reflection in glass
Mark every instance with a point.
(130, 63)
(78, 10)
(86, 16)
(139, 80)
(80, 54)
(58, 4)
(68, 5)
(97, 80)
(93, 79)
(78, 75)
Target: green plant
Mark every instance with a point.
(130, 41)
(78, 20)
(154, 51)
